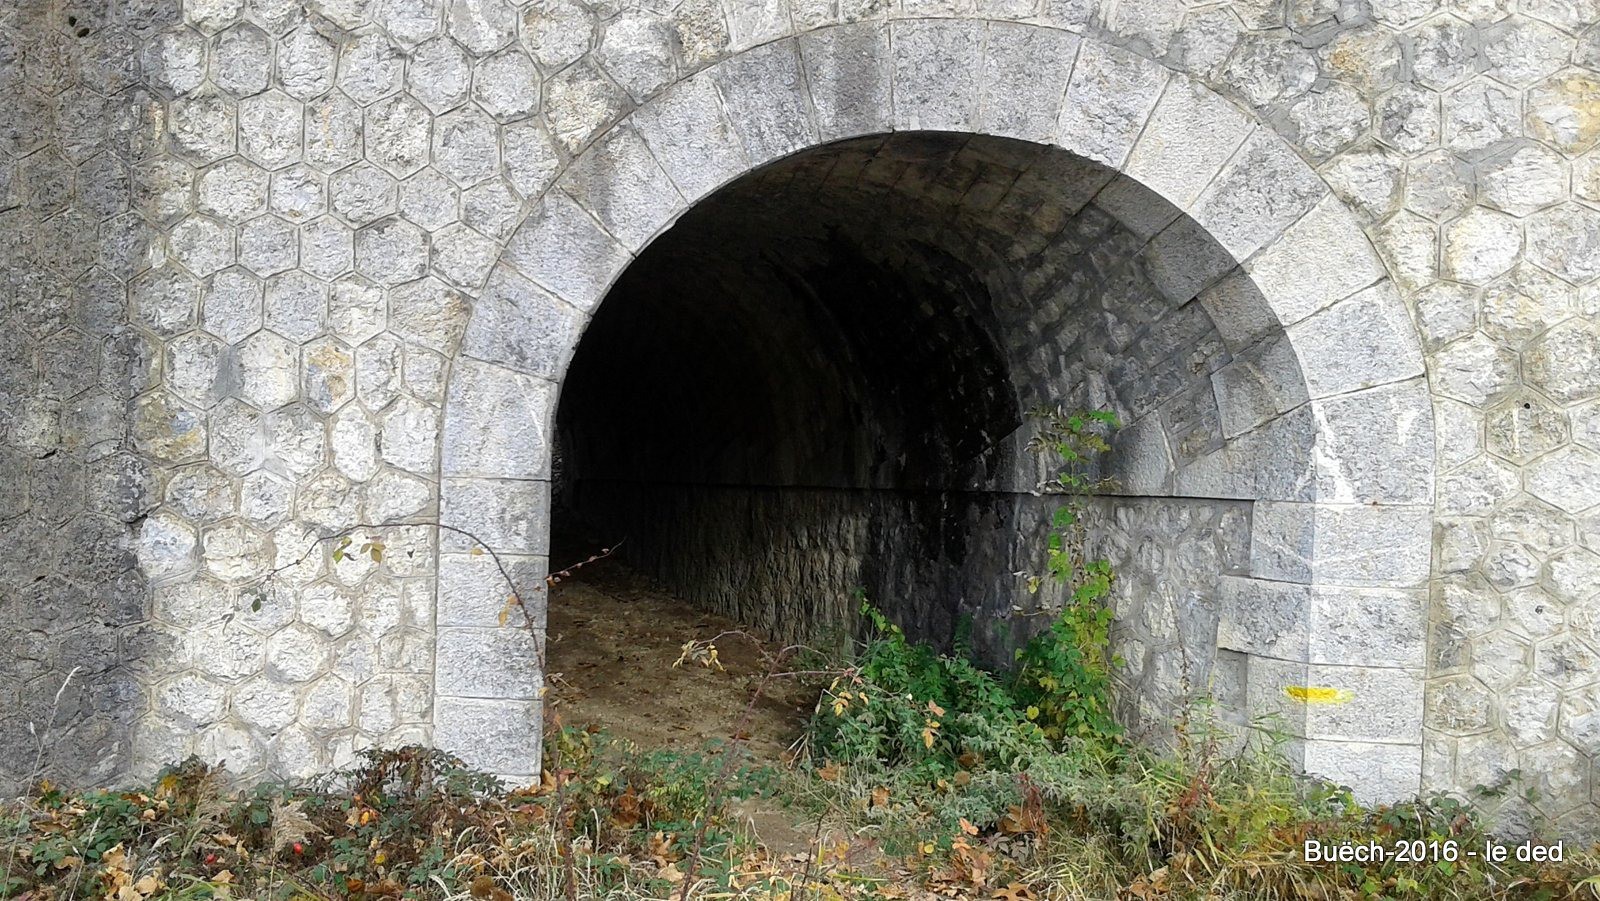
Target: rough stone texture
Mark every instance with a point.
(245, 248)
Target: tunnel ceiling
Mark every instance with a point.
(885, 311)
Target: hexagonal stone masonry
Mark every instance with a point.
(319, 226)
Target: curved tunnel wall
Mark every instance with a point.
(819, 380)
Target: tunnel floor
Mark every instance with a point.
(613, 639)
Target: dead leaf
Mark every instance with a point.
(661, 849)
(289, 824)
(626, 811)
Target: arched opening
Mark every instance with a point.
(819, 381)
(1202, 282)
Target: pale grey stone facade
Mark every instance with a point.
(276, 270)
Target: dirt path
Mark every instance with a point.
(613, 641)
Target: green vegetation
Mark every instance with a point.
(944, 767)
(1022, 780)
(1059, 689)
(1063, 675)
(406, 823)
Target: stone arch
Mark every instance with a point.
(1339, 552)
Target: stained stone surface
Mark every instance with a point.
(272, 273)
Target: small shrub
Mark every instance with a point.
(906, 706)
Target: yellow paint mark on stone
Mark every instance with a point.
(1316, 694)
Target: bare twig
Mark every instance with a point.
(36, 773)
(500, 565)
(77, 874)
(42, 736)
(558, 820)
(719, 783)
(559, 575)
(815, 855)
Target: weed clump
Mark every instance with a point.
(1060, 689)
(950, 772)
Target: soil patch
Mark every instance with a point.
(613, 640)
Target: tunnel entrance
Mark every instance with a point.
(1158, 254)
(818, 383)
(794, 394)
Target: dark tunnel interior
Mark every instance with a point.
(818, 383)
(804, 390)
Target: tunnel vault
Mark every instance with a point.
(819, 379)
(795, 310)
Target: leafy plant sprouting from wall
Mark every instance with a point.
(1063, 675)
(905, 705)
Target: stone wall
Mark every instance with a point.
(275, 270)
(73, 597)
